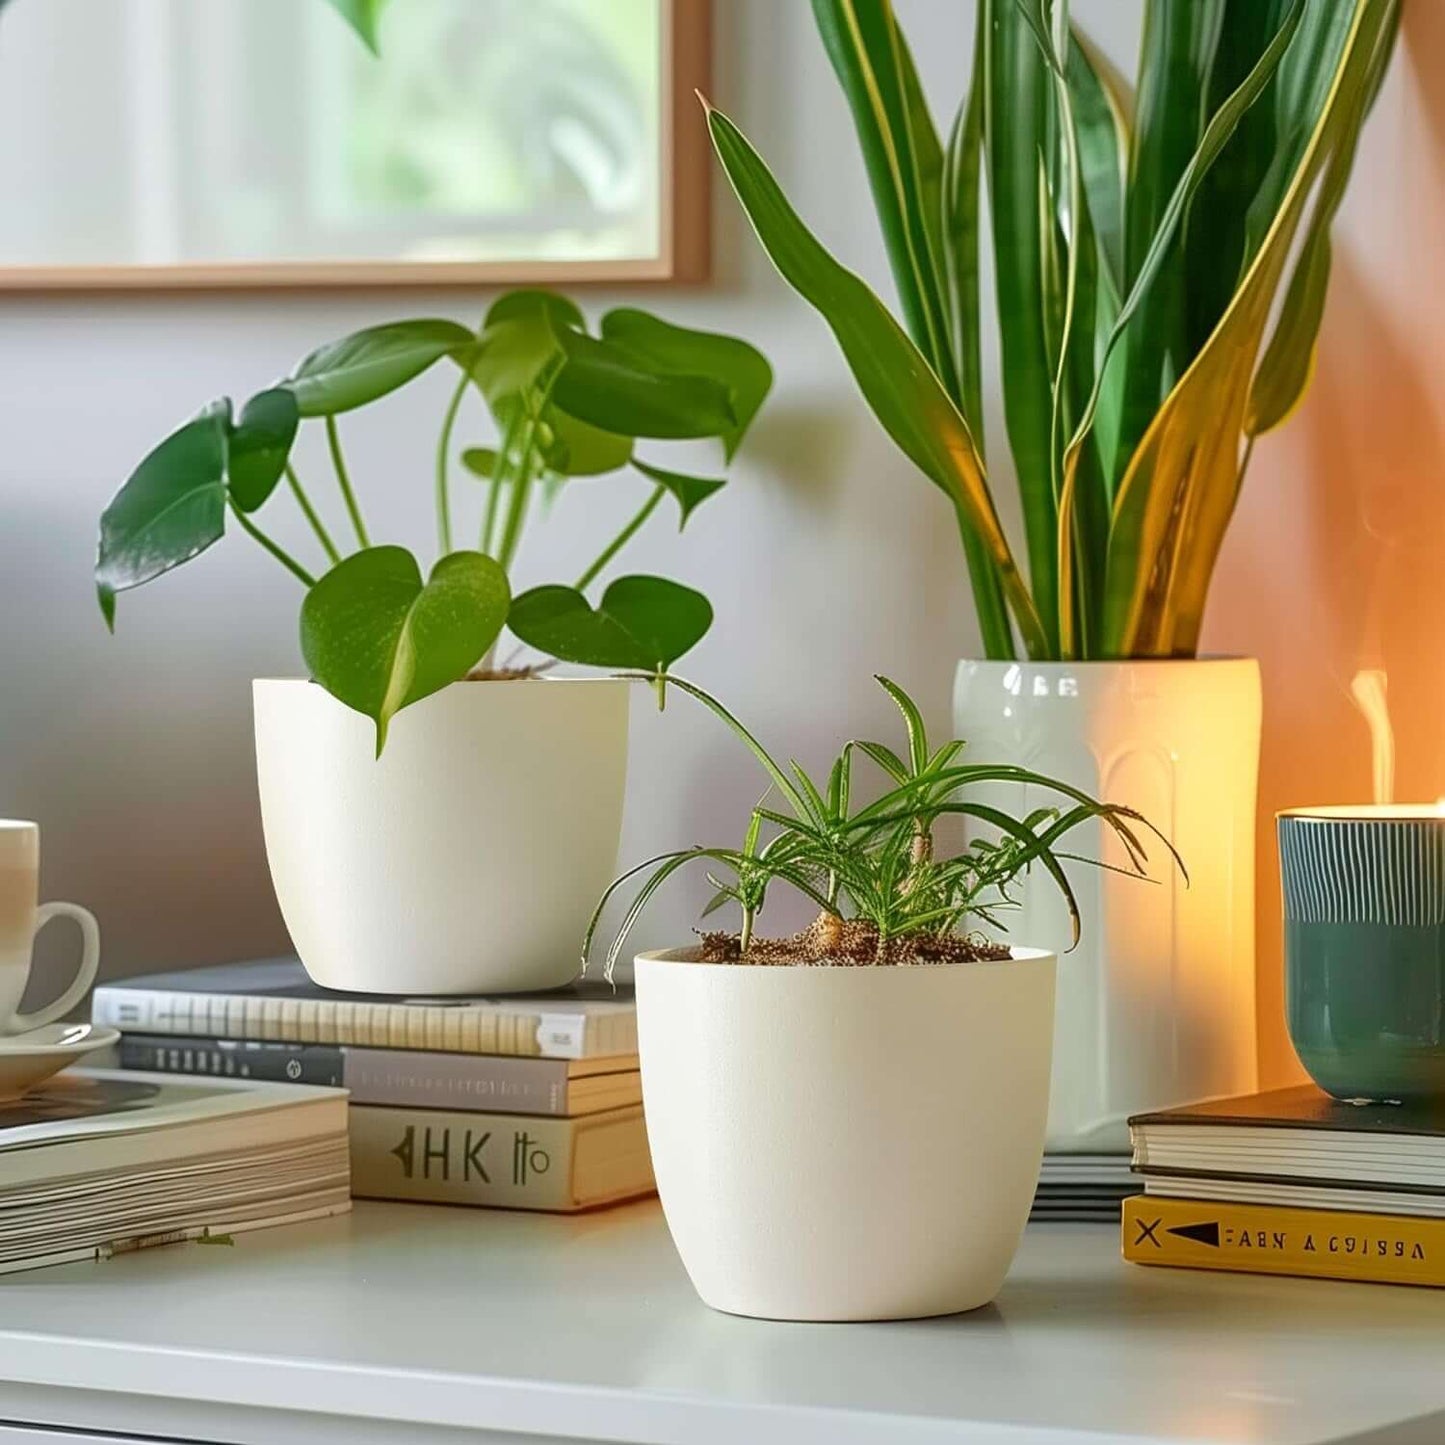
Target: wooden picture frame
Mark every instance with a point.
(684, 222)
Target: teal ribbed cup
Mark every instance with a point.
(1364, 946)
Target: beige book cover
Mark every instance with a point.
(507, 1161)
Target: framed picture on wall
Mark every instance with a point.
(261, 143)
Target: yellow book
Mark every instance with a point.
(1274, 1239)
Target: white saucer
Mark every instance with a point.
(30, 1058)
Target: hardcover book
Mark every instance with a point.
(1261, 1239)
(273, 999)
(403, 1078)
(99, 1162)
(1296, 1146)
(441, 1157)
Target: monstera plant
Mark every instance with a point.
(1160, 255)
(377, 631)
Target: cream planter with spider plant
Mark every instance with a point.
(848, 1123)
(1160, 258)
(440, 814)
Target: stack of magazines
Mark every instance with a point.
(521, 1102)
(1083, 1188)
(99, 1162)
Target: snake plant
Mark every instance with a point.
(1161, 254)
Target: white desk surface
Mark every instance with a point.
(426, 1325)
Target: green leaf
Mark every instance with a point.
(895, 379)
(903, 158)
(260, 442)
(480, 461)
(690, 492)
(1173, 110)
(1103, 156)
(958, 199)
(531, 303)
(379, 639)
(368, 364)
(665, 348)
(1216, 135)
(1180, 490)
(607, 386)
(928, 216)
(518, 347)
(512, 361)
(1288, 362)
(1018, 141)
(171, 508)
(578, 449)
(1289, 359)
(364, 17)
(1216, 232)
(642, 622)
(912, 722)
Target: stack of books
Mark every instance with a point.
(522, 1103)
(98, 1162)
(1292, 1182)
(1083, 1188)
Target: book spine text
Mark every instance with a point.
(1269, 1239)
(466, 1027)
(443, 1157)
(399, 1077)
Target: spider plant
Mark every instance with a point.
(1161, 255)
(884, 896)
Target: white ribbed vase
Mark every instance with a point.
(1156, 1005)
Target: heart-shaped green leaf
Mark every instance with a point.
(579, 449)
(534, 303)
(171, 508)
(743, 369)
(642, 622)
(259, 444)
(368, 364)
(480, 461)
(513, 358)
(691, 492)
(518, 347)
(379, 639)
(611, 388)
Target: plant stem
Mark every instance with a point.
(333, 441)
(526, 474)
(274, 548)
(443, 501)
(494, 487)
(516, 510)
(489, 523)
(317, 526)
(745, 933)
(622, 538)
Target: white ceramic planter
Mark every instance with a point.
(845, 1143)
(468, 858)
(1156, 1005)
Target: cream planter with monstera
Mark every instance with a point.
(466, 859)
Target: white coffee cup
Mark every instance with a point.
(21, 918)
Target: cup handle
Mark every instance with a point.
(89, 966)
